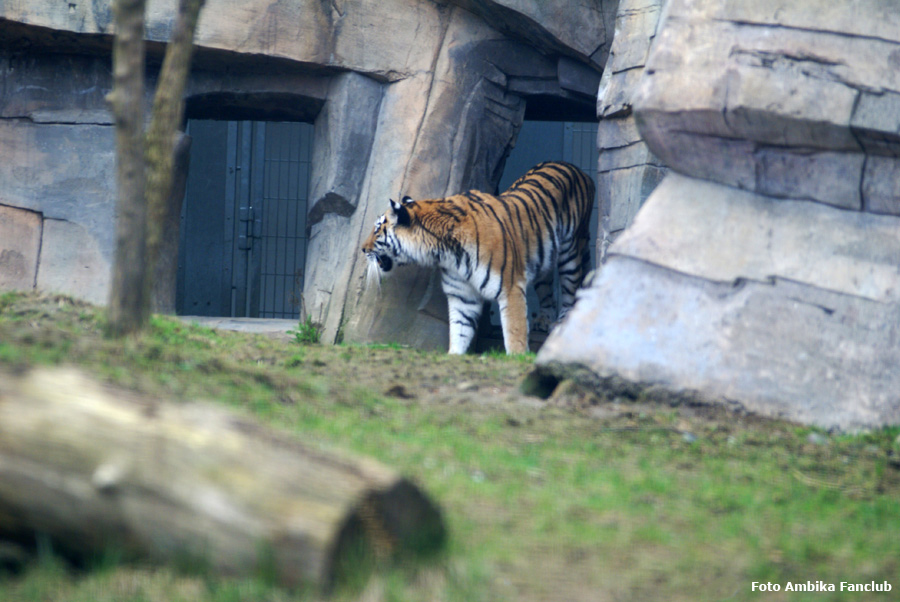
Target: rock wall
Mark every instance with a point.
(57, 176)
(408, 97)
(628, 171)
(765, 272)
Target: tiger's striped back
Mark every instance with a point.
(491, 247)
(555, 197)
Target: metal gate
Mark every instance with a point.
(243, 226)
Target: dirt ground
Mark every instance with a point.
(55, 322)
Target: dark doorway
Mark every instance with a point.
(243, 228)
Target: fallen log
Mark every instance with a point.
(94, 467)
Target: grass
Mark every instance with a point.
(308, 332)
(575, 498)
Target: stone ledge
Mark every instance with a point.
(787, 106)
(756, 237)
(779, 349)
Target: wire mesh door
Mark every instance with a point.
(243, 231)
(285, 194)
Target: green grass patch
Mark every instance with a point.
(307, 332)
(610, 500)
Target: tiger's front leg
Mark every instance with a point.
(464, 307)
(514, 319)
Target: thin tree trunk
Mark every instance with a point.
(128, 307)
(165, 272)
(168, 113)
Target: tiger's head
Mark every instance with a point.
(387, 245)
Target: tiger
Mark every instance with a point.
(490, 248)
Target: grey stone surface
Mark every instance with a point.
(578, 78)
(62, 171)
(774, 98)
(779, 349)
(627, 170)
(344, 133)
(876, 119)
(72, 262)
(723, 234)
(798, 175)
(331, 34)
(881, 185)
(461, 109)
(271, 92)
(336, 279)
(582, 31)
(33, 89)
(348, 34)
(20, 245)
(623, 192)
(57, 151)
(344, 137)
(271, 327)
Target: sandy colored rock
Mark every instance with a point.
(20, 243)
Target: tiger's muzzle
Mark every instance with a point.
(378, 266)
(385, 263)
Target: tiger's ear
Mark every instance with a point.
(407, 199)
(400, 212)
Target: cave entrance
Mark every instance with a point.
(243, 235)
(542, 140)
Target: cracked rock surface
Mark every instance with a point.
(764, 271)
(787, 102)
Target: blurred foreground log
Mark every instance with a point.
(97, 468)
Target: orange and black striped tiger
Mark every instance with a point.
(491, 247)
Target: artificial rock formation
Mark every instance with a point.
(627, 171)
(418, 97)
(765, 273)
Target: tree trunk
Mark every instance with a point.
(94, 468)
(144, 197)
(165, 271)
(128, 307)
(168, 113)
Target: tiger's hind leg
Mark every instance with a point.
(546, 295)
(514, 319)
(574, 263)
(464, 307)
